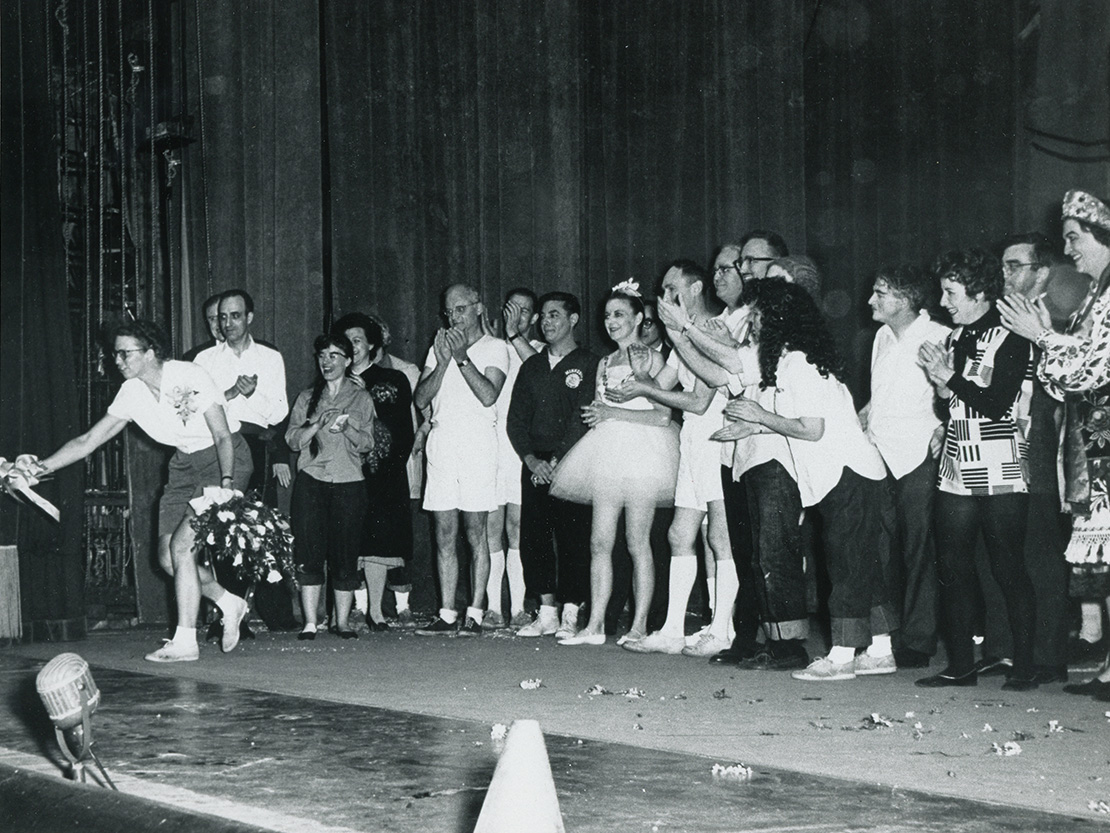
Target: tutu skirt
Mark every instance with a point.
(620, 462)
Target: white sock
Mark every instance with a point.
(570, 614)
(684, 572)
(841, 654)
(475, 613)
(448, 616)
(548, 613)
(228, 603)
(308, 628)
(185, 636)
(1091, 628)
(402, 598)
(493, 586)
(728, 585)
(880, 646)
(515, 570)
(360, 600)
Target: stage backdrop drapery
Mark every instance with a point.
(38, 380)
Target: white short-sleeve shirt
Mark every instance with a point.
(176, 416)
(455, 406)
(804, 392)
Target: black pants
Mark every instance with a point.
(774, 510)
(915, 557)
(328, 526)
(746, 613)
(554, 543)
(1002, 520)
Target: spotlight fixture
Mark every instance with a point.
(70, 695)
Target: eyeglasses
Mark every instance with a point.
(122, 354)
(721, 271)
(334, 355)
(459, 309)
(749, 260)
(1014, 265)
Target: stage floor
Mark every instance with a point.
(393, 732)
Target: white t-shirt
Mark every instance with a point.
(455, 406)
(804, 392)
(901, 419)
(176, 416)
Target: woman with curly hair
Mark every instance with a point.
(1075, 367)
(176, 404)
(790, 352)
(627, 462)
(983, 373)
(332, 428)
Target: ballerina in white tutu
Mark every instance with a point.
(627, 462)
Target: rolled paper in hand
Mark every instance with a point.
(17, 479)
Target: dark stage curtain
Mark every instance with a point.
(909, 142)
(558, 145)
(38, 382)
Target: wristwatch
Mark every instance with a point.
(463, 363)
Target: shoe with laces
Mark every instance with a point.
(406, 620)
(867, 665)
(469, 628)
(822, 670)
(568, 624)
(520, 619)
(493, 621)
(173, 652)
(438, 627)
(239, 609)
(696, 636)
(657, 643)
(540, 626)
(708, 646)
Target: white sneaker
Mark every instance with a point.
(693, 638)
(239, 610)
(541, 626)
(568, 626)
(173, 652)
(656, 643)
(708, 646)
(867, 665)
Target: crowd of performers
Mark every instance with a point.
(723, 404)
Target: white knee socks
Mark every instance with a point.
(684, 572)
(493, 586)
(515, 569)
(728, 585)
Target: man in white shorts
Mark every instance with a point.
(699, 490)
(462, 378)
(503, 527)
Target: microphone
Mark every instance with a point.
(70, 696)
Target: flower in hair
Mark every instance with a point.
(628, 287)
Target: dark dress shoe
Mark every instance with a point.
(1092, 688)
(306, 636)
(909, 658)
(378, 627)
(994, 666)
(777, 655)
(333, 630)
(737, 652)
(347, 634)
(1015, 683)
(1045, 674)
(1081, 651)
(946, 678)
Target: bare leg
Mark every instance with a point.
(375, 587)
(474, 523)
(447, 557)
(310, 603)
(343, 601)
(637, 525)
(602, 535)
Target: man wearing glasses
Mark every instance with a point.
(462, 378)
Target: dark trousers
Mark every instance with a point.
(746, 612)
(554, 543)
(857, 519)
(1002, 519)
(328, 525)
(914, 564)
(774, 512)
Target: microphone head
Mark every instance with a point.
(67, 690)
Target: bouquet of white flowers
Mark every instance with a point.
(255, 539)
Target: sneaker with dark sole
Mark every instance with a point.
(468, 628)
(438, 627)
(493, 621)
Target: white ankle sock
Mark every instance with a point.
(448, 616)
(515, 570)
(308, 628)
(880, 646)
(402, 599)
(475, 613)
(684, 572)
(493, 586)
(841, 654)
(185, 636)
(1091, 628)
(728, 585)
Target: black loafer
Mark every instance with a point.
(1014, 683)
(994, 666)
(348, 635)
(378, 627)
(909, 658)
(1046, 674)
(737, 652)
(1092, 688)
(945, 679)
(306, 636)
